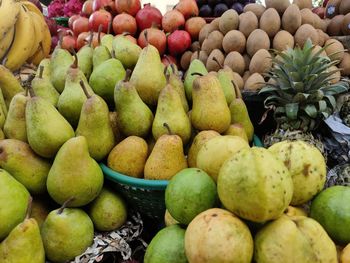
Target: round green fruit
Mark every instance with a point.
(331, 208)
(190, 192)
(167, 246)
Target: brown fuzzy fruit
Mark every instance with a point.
(346, 25)
(248, 22)
(195, 46)
(332, 8)
(211, 64)
(215, 23)
(283, 40)
(258, 39)
(238, 80)
(205, 31)
(335, 25)
(307, 17)
(194, 25)
(203, 56)
(291, 19)
(254, 82)
(270, 22)
(318, 48)
(257, 9)
(234, 41)
(246, 75)
(247, 60)
(186, 60)
(334, 49)
(321, 37)
(279, 5)
(336, 76)
(303, 3)
(214, 41)
(261, 62)
(303, 33)
(235, 61)
(344, 7)
(228, 21)
(345, 65)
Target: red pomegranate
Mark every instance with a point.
(178, 42)
(71, 20)
(148, 16)
(107, 5)
(80, 25)
(101, 17)
(130, 7)
(155, 37)
(124, 23)
(82, 40)
(188, 8)
(69, 42)
(168, 59)
(87, 8)
(172, 20)
(194, 26)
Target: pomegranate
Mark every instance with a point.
(124, 23)
(168, 59)
(194, 26)
(172, 20)
(148, 16)
(71, 20)
(101, 17)
(69, 42)
(130, 7)
(188, 8)
(178, 42)
(107, 5)
(155, 37)
(82, 40)
(80, 25)
(320, 11)
(87, 8)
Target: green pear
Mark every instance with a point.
(240, 115)
(167, 157)
(107, 41)
(113, 119)
(2, 134)
(127, 52)
(14, 199)
(40, 209)
(66, 233)
(209, 110)
(95, 126)
(176, 82)
(148, 76)
(46, 64)
(44, 88)
(105, 77)
(108, 211)
(25, 166)
(85, 55)
(171, 111)
(46, 128)
(72, 98)
(237, 129)
(134, 116)
(15, 124)
(3, 105)
(61, 60)
(23, 244)
(2, 118)
(196, 66)
(100, 55)
(74, 174)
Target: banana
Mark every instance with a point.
(39, 32)
(9, 11)
(44, 48)
(23, 42)
(9, 84)
(31, 7)
(6, 42)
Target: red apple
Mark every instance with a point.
(168, 59)
(101, 17)
(71, 20)
(320, 11)
(124, 23)
(82, 39)
(155, 37)
(148, 16)
(188, 8)
(107, 5)
(80, 25)
(178, 42)
(172, 20)
(194, 26)
(130, 7)
(87, 8)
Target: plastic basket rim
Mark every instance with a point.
(144, 183)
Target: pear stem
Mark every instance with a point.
(82, 84)
(197, 74)
(29, 207)
(168, 128)
(173, 67)
(109, 27)
(99, 34)
(127, 75)
(41, 71)
(60, 210)
(26, 91)
(31, 91)
(91, 37)
(238, 92)
(217, 61)
(146, 37)
(113, 53)
(75, 63)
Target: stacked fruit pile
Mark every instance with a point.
(242, 42)
(24, 35)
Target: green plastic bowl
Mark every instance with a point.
(62, 21)
(145, 196)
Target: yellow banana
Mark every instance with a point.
(31, 7)
(23, 42)
(9, 11)
(39, 32)
(44, 47)
(6, 42)
(9, 84)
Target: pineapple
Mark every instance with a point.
(339, 175)
(345, 112)
(301, 93)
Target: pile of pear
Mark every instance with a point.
(118, 105)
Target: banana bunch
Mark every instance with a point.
(24, 34)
